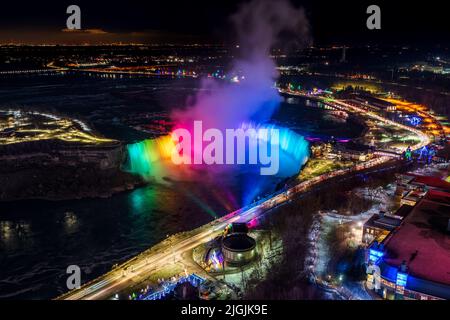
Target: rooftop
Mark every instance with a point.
(239, 242)
(383, 222)
(432, 181)
(414, 195)
(404, 178)
(423, 241)
(403, 211)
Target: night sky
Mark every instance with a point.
(403, 22)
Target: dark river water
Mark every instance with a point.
(39, 239)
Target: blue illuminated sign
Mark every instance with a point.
(415, 121)
(375, 255)
(402, 278)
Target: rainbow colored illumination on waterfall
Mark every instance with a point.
(149, 155)
(152, 157)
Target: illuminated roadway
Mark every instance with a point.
(155, 258)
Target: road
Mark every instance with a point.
(172, 249)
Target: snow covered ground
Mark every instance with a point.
(319, 254)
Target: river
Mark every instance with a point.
(39, 239)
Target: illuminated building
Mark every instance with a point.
(414, 257)
(320, 149)
(378, 227)
(412, 197)
(353, 151)
(238, 249)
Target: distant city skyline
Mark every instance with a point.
(208, 22)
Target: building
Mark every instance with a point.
(238, 249)
(424, 66)
(412, 261)
(353, 151)
(402, 212)
(412, 197)
(412, 187)
(320, 149)
(378, 227)
(430, 182)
